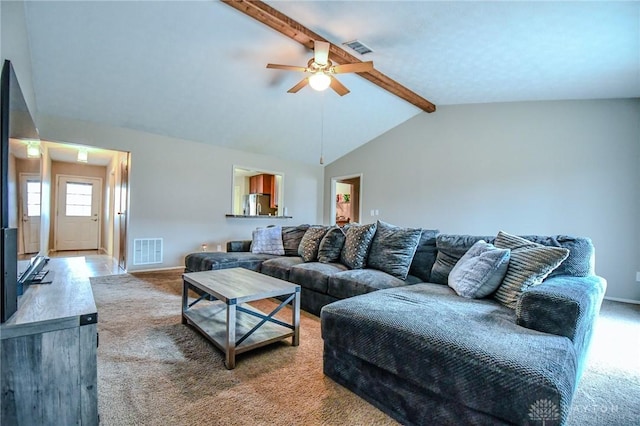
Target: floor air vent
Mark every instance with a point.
(147, 251)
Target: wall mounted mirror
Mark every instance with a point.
(257, 192)
(25, 194)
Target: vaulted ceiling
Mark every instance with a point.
(195, 70)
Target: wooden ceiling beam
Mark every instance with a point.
(278, 21)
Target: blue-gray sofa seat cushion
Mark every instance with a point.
(360, 281)
(206, 261)
(466, 350)
(279, 267)
(314, 275)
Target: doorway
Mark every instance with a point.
(345, 193)
(78, 218)
(85, 228)
(29, 225)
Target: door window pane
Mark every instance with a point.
(33, 198)
(79, 199)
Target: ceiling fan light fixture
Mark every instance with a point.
(83, 156)
(33, 150)
(319, 81)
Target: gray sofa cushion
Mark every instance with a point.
(206, 261)
(479, 271)
(392, 249)
(291, 237)
(529, 265)
(422, 334)
(331, 245)
(356, 245)
(580, 262)
(238, 245)
(425, 255)
(314, 275)
(450, 249)
(360, 281)
(279, 267)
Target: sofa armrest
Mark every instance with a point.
(563, 305)
(239, 246)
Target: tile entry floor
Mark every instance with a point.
(92, 262)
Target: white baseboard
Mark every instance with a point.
(618, 299)
(170, 268)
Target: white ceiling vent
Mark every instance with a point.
(358, 46)
(147, 251)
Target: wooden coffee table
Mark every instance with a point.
(228, 321)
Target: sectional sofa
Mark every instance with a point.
(321, 282)
(415, 325)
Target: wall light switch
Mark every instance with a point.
(373, 212)
(377, 212)
(219, 247)
(638, 277)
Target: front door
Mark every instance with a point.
(30, 212)
(78, 213)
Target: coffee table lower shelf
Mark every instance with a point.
(210, 318)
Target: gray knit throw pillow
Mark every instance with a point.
(331, 245)
(392, 249)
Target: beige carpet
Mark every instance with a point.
(153, 370)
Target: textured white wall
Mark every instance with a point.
(568, 167)
(181, 190)
(15, 47)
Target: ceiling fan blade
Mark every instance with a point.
(299, 86)
(286, 67)
(357, 67)
(338, 87)
(320, 52)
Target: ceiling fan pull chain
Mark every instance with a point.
(321, 127)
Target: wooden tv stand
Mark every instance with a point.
(48, 365)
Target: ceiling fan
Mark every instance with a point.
(322, 69)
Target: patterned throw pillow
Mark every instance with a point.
(308, 248)
(529, 265)
(392, 249)
(479, 271)
(331, 245)
(267, 241)
(356, 245)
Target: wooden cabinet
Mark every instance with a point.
(261, 184)
(49, 354)
(264, 184)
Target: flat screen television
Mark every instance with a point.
(16, 123)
